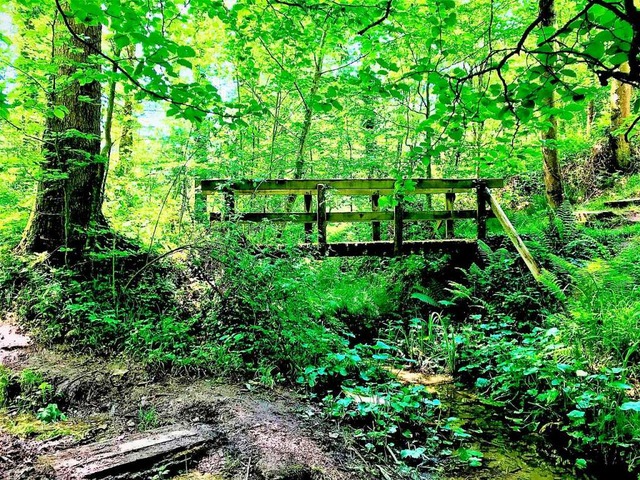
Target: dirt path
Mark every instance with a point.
(271, 435)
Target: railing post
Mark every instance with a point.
(308, 227)
(322, 218)
(481, 195)
(375, 226)
(450, 198)
(398, 214)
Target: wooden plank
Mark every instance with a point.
(132, 455)
(449, 200)
(342, 186)
(511, 232)
(322, 218)
(375, 226)
(398, 228)
(281, 217)
(465, 247)
(622, 203)
(351, 217)
(589, 217)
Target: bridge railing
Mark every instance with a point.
(319, 215)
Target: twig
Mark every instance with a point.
(379, 21)
(248, 469)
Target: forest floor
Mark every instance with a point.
(255, 435)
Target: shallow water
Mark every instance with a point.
(507, 455)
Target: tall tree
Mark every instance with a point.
(620, 112)
(551, 166)
(70, 193)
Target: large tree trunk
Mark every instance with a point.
(68, 205)
(620, 111)
(551, 163)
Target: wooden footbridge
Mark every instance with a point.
(318, 214)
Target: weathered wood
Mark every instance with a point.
(464, 247)
(482, 214)
(132, 456)
(511, 232)
(322, 217)
(342, 186)
(622, 203)
(308, 226)
(375, 226)
(449, 200)
(398, 227)
(349, 217)
(585, 216)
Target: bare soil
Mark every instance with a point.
(258, 434)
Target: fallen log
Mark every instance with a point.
(132, 456)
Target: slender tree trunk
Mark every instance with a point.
(620, 111)
(70, 193)
(299, 166)
(308, 114)
(125, 146)
(551, 163)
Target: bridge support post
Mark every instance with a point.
(481, 196)
(322, 218)
(308, 227)
(398, 224)
(450, 198)
(375, 226)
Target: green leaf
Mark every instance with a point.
(581, 463)
(121, 41)
(186, 51)
(60, 111)
(424, 298)
(413, 453)
(635, 406)
(595, 49)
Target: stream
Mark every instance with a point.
(507, 454)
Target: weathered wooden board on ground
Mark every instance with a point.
(13, 344)
(132, 456)
(622, 203)
(587, 216)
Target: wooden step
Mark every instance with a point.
(622, 203)
(133, 455)
(586, 216)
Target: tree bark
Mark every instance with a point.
(620, 111)
(551, 162)
(68, 206)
